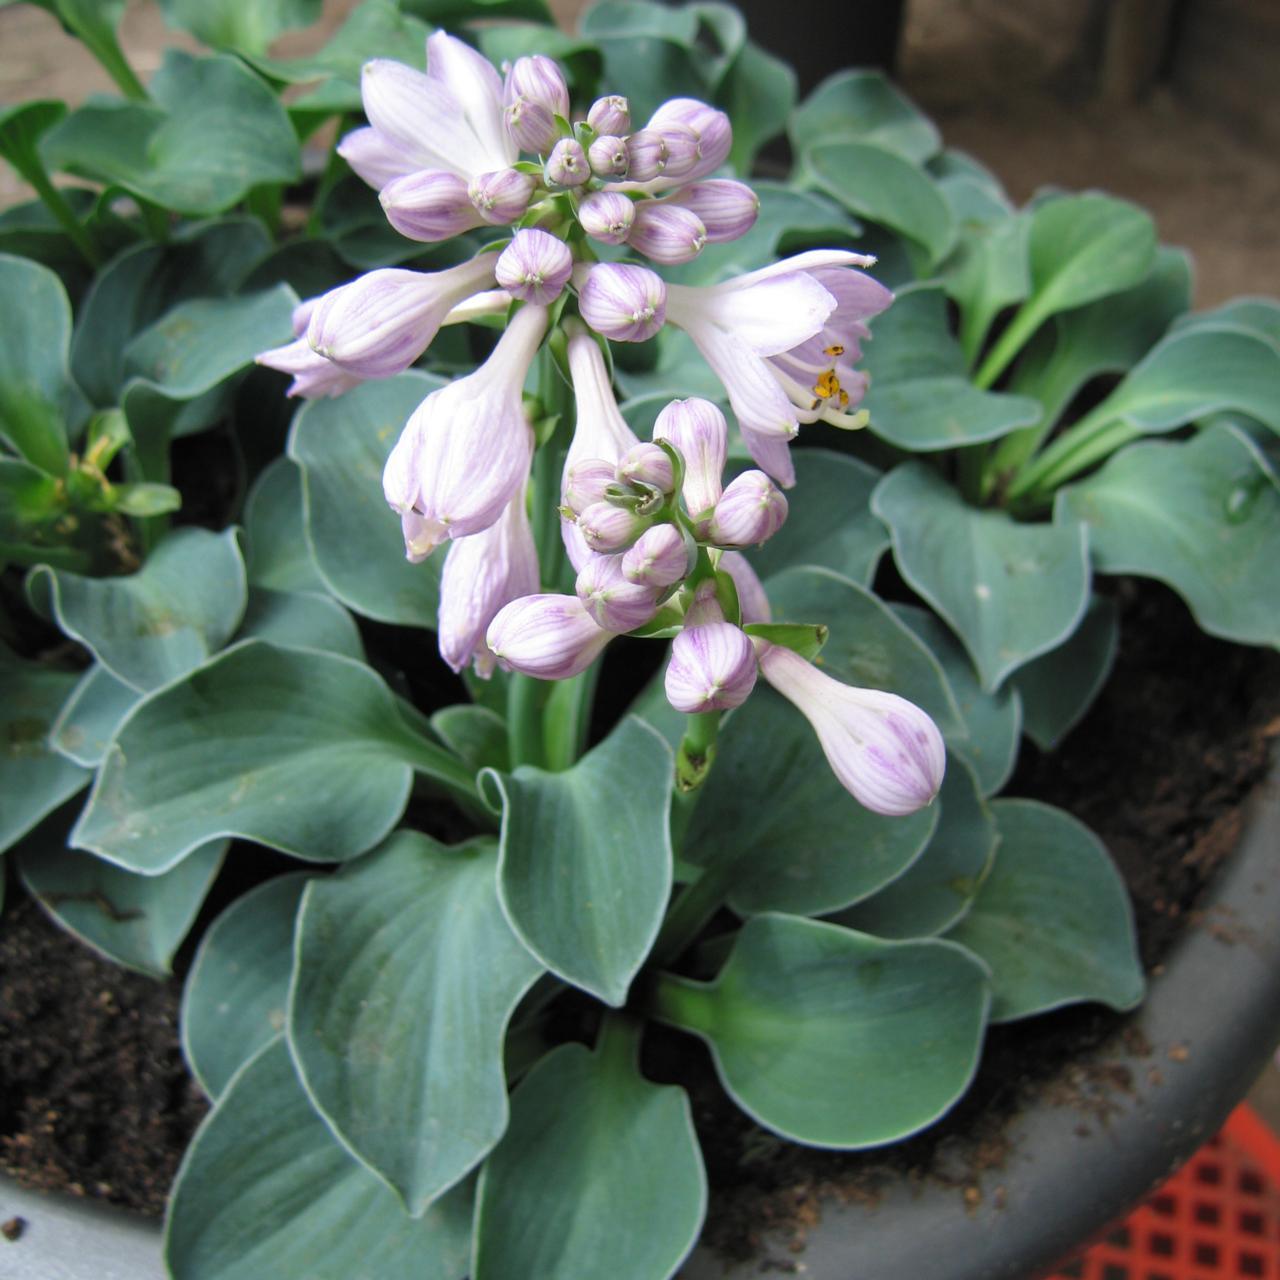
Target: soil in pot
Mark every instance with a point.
(96, 1099)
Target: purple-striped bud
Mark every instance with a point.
(567, 164)
(646, 155)
(550, 637)
(429, 205)
(585, 483)
(614, 601)
(607, 216)
(314, 377)
(753, 604)
(607, 157)
(608, 529)
(534, 267)
(728, 209)
(531, 126)
(884, 750)
(647, 464)
(682, 150)
(658, 558)
(627, 304)
(705, 607)
(712, 668)
(502, 196)
(666, 232)
(750, 511)
(712, 127)
(378, 325)
(610, 115)
(698, 429)
(539, 79)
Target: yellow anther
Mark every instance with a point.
(834, 350)
(827, 385)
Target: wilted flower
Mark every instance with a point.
(550, 637)
(884, 750)
(534, 267)
(712, 668)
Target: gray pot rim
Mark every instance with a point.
(1211, 1018)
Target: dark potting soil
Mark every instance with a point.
(96, 1099)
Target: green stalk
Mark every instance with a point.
(525, 700)
(690, 912)
(104, 46)
(1085, 442)
(697, 749)
(618, 1041)
(1010, 342)
(678, 1001)
(567, 715)
(31, 167)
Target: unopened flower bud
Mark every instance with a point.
(608, 529)
(646, 155)
(502, 196)
(535, 266)
(750, 511)
(698, 429)
(712, 668)
(610, 115)
(753, 604)
(712, 127)
(567, 164)
(627, 304)
(550, 637)
(607, 156)
(531, 126)
(429, 205)
(585, 483)
(538, 79)
(607, 216)
(614, 601)
(647, 464)
(658, 558)
(884, 750)
(682, 150)
(666, 232)
(728, 209)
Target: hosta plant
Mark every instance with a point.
(563, 374)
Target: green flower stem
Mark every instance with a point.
(568, 711)
(697, 750)
(689, 914)
(1088, 441)
(618, 1042)
(526, 698)
(104, 46)
(1010, 342)
(678, 1001)
(31, 167)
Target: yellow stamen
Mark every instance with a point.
(834, 350)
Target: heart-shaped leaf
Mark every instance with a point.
(161, 622)
(248, 26)
(277, 555)
(341, 447)
(1009, 591)
(237, 992)
(265, 1190)
(597, 1163)
(1052, 918)
(406, 976)
(758, 91)
(90, 716)
(300, 620)
(585, 865)
(1202, 516)
(864, 106)
(834, 1038)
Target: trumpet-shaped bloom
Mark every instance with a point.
(884, 750)
(466, 450)
(712, 668)
(550, 637)
(762, 332)
(380, 324)
(482, 573)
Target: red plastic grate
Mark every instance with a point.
(1217, 1218)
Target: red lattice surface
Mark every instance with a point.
(1218, 1217)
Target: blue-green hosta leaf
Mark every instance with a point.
(1009, 591)
(834, 1038)
(880, 185)
(833, 526)
(406, 976)
(303, 751)
(775, 824)
(1202, 516)
(211, 132)
(585, 865)
(937, 889)
(265, 1190)
(247, 26)
(277, 556)
(863, 106)
(758, 92)
(475, 734)
(598, 1163)
(137, 921)
(36, 394)
(991, 722)
(355, 540)
(90, 716)
(235, 997)
(34, 778)
(1052, 918)
(1058, 688)
(148, 628)
(920, 396)
(300, 620)
(1258, 315)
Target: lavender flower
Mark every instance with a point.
(608, 157)
(627, 304)
(709, 126)
(606, 528)
(647, 464)
(550, 637)
(534, 94)
(884, 750)
(502, 196)
(728, 209)
(610, 115)
(658, 558)
(534, 267)
(607, 216)
(585, 482)
(698, 430)
(614, 601)
(646, 155)
(753, 604)
(567, 164)
(712, 668)
(666, 233)
(314, 377)
(429, 205)
(750, 511)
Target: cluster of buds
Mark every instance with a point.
(653, 532)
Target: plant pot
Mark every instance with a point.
(1176, 1067)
